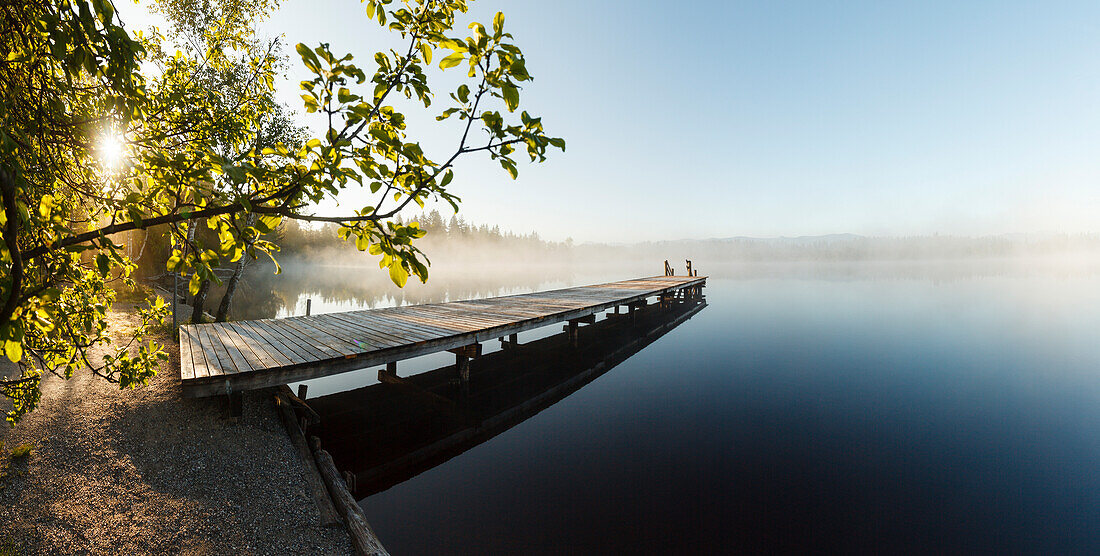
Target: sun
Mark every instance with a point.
(109, 149)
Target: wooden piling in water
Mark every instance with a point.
(313, 480)
(362, 536)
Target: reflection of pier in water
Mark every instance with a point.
(389, 432)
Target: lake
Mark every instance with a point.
(884, 407)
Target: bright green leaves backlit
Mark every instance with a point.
(366, 141)
(501, 68)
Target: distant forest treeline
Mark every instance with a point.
(446, 239)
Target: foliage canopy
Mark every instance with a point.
(201, 142)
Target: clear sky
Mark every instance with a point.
(698, 119)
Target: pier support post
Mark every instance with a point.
(236, 405)
(462, 365)
(571, 332)
(302, 390)
(511, 343)
(391, 368)
(463, 355)
(572, 327)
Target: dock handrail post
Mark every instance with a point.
(668, 269)
(688, 267)
(309, 304)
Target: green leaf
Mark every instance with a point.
(426, 52)
(452, 60)
(310, 103)
(14, 350)
(46, 205)
(519, 70)
(510, 166)
(104, 263)
(194, 283)
(498, 25)
(398, 274)
(308, 57)
(511, 96)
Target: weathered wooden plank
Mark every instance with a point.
(409, 318)
(250, 355)
(379, 328)
(229, 336)
(367, 335)
(385, 340)
(310, 348)
(433, 320)
(187, 363)
(460, 315)
(234, 357)
(268, 353)
(198, 355)
(283, 348)
(323, 337)
(213, 363)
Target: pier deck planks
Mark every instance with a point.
(228, 357)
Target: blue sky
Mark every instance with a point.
(701, 119)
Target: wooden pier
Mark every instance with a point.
(227, 358)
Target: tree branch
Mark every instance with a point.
(11, 239)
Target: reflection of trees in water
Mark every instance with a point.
(263, 294)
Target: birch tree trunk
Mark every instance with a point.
(231, 286)
(199, 302)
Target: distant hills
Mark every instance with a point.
(852, 247)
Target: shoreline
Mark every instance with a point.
(148, 471)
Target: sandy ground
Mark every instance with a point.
(149, 472)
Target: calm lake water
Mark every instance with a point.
(876, 407)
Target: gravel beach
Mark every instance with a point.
(147, 471)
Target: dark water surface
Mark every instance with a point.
(874, 409)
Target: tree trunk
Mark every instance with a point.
(199, 302)
(231, 287)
